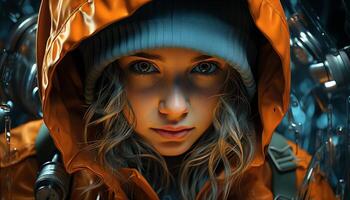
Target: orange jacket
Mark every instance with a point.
(63, 24)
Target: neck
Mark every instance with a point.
(174, 163)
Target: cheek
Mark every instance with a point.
(141, 104)
(142, 83)
(208, 85)
(203, 109)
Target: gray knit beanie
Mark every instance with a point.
(220, 28)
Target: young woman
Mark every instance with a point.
(165, 99)
(173, 113)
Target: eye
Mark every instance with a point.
(205, 68)
(143, 67)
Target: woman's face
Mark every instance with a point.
(173, 93)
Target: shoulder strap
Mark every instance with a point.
(45, 148)
(52, 182)
(283, 164)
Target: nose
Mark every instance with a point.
(175, 106)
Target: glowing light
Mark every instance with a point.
(303, 35)
(330, 84)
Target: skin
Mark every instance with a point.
(169, 86)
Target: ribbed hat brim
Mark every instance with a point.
(195, 30)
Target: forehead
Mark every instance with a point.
(171, 55)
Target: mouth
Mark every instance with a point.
(171, 132)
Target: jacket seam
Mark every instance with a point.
(66, 21)
(270, 41)
(277, 12)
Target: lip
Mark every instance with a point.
(174, 128)
(172, 132)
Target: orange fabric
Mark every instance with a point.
(22, 143)
(21, 177)
(20, 169)
(273, 68)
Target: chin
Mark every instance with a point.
(172, 150)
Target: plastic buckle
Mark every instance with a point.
(283, 158)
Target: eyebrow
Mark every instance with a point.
(158, 57)
(201, 57)
(148, 56)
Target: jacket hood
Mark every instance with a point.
(64, 24)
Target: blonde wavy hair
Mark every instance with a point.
(227, 145)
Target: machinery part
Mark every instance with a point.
(53, 181)
(18, 69)
(336, 67)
